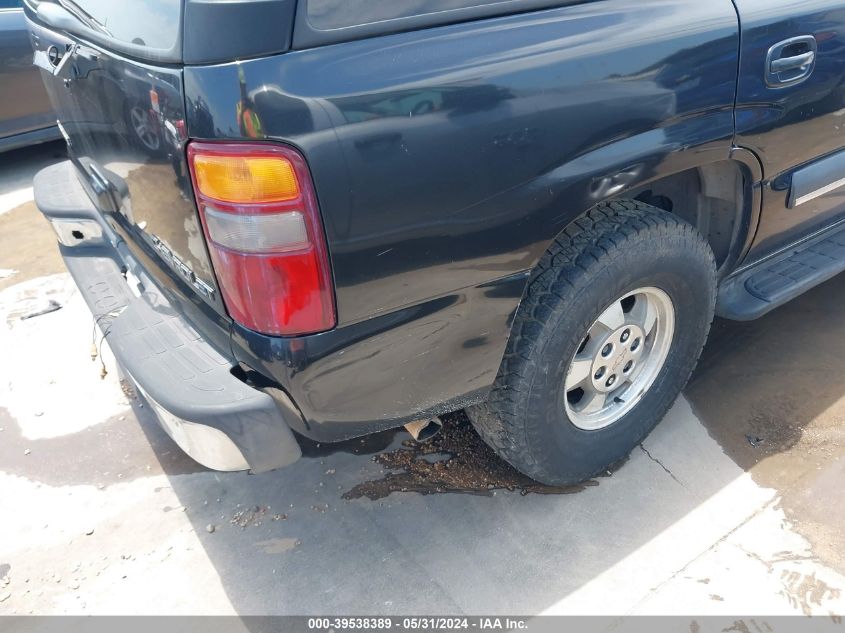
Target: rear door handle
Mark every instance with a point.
(792, 61)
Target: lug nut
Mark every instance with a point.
(625, 336)
(606, 350)
(635, 344)
(628, 366)
(610, 381)
(600, 373)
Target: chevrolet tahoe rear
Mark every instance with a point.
(327, 218)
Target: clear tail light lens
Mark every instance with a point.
(259, 213)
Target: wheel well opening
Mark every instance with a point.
(710, 197)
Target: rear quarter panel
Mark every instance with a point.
(448, 158)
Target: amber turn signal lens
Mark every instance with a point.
(246, 179)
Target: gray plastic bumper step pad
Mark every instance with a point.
(802, 270)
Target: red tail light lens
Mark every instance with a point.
(260, 217)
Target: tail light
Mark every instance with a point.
(260, 217)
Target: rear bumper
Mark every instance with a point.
(216, 418)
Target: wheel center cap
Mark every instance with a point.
(616, 358)
(620, 359)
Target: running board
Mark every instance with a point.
(765, 286)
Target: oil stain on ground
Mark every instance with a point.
(455, 461)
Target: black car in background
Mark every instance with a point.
(26, 116)
(332, 217)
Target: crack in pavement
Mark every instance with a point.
(662, 465)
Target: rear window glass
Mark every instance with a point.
(148, 23)
(338, 14)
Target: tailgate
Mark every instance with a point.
(124, 122)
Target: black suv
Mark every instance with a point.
(332, 217)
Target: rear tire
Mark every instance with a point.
(624, 254)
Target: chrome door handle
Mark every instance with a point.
(792, 61)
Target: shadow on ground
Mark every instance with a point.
(771, 393)
(122, 454)
(310, 539)
(336, 533)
